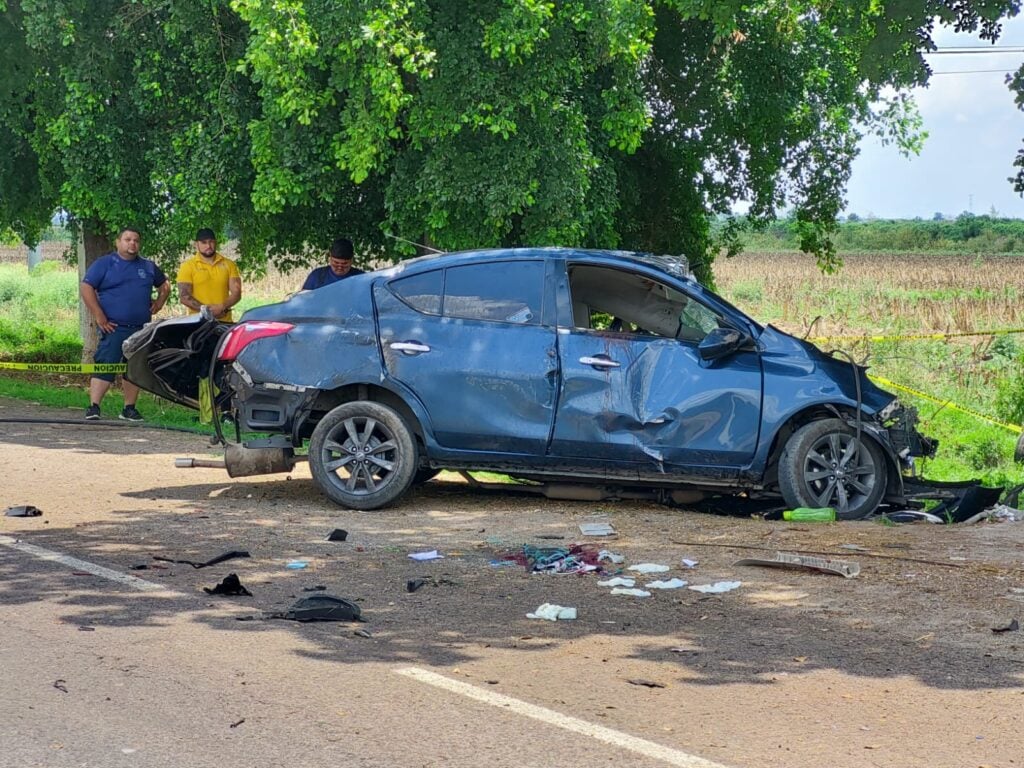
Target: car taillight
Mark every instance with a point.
(244, 334)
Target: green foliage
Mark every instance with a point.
(611, 123)
(39, 315)
(1010, 394)
(966, 233)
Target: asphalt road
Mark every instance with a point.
(105, 665)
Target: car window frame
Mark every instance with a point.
(662, 279)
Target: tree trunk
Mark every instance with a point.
(91, 245)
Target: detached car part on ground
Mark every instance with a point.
(554, 365)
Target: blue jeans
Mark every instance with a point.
(109, 348)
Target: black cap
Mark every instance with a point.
(206, 234)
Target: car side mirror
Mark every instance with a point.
(721, 342)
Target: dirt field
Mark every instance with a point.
(900, 661)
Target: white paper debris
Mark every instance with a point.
(687, 563)
(618, 581)
(431, 555)
(670, 584)
(631, 592)
(648, 568)
(553, 612)
(597, 529)
(717, 588)
(605, 554)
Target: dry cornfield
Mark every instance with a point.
(876, 293)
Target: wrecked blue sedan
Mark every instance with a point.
(562, 367)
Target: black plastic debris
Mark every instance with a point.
(957, 501)
(316, 588)
(321, 608)
(413, 584)
(338, 534)
(1013, 626)
(23, 510)
(230, 586)
(218, 559)
(646, 683)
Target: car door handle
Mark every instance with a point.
(600, 361)
(409, 347)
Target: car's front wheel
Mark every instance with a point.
(363, 455)
(825, 465)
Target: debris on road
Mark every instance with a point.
(670, 584)
(237, 723)
(413, 584)
(59, 685)
(717, 588)
(809, 515)
(361, 633)
(296, 565)
(597, 529)
(611, 557)
(1013, 626)
(23, 510)
(689, 564)
(648, 568)
(433, 554)
(230, 586)
(338, 534)
(552, 612)
(574, 559)
(617, 581)
(645, 683)
(844, 568)
(213, 561)
(632, 592)
(321, 608)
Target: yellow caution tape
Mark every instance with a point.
(909, 336)
(65, 367)
(945, 403)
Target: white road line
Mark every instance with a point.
(549, 716)
(81, 565)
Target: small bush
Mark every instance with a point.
(1010, 394)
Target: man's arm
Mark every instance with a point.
(92, 302)
(162, 292)
(186, 298)
(234, 292)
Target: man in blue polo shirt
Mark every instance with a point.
(339, 266)
(118, 291)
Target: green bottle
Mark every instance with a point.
(810, 515)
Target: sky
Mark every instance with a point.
(975, 130)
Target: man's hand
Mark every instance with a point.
(104, 324)
(216, 310)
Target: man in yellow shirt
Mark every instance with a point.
(207, 279)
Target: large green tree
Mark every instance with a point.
(605, 123)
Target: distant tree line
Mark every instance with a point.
(967, 233)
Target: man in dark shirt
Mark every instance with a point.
(118, 291)
(339, 266)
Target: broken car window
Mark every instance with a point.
(505, 291)
(627, 302)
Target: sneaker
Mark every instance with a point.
(92, 413)
(130, 414)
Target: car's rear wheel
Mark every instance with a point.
(825, 465)
(363, 455)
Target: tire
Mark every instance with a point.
(363, 455)
(820, 467)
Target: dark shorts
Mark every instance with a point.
(109, 348)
